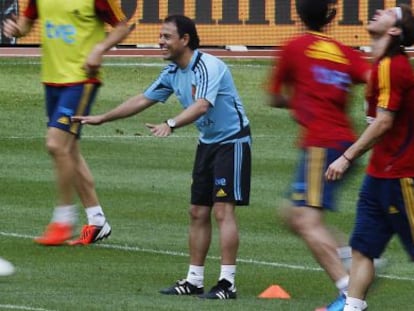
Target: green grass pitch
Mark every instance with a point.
(143, 183)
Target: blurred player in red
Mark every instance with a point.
(386, 199)
(313, 78)
(73, 42)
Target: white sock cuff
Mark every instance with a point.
(228, 272)
(195, 275)
(68, 207)
(198, 270)
(344, 252)
(342, 284)
(65, 214)
(355, 304)
(95, 215)
(94, 210)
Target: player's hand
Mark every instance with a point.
(10, 27)
(337, 169)
(159, 130)
(91, 69)
(92, 120)
(93, 62)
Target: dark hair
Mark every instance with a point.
(407, 26)
(185, 25)
(315, 13)
(406, 38)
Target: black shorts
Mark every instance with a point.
(222, 172)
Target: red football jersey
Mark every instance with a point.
(319, 71)
(392, 88)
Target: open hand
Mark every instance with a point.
(159, 130)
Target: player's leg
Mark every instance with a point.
(225, 217)
(199, 234)
(310, 195)
(84, 181)
(362, 276)
(232, 172)
(71, 170)
(199, 240)
(371, 234)
(60, 228)
(97, 228)
(59, 144)
(59, 141)
(403, 221)
(308, 223)
(224, 213)
(200, 225)
(78, 100)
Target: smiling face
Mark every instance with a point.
(383, 21)
(172, 46)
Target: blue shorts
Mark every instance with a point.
(385, 207)
(63, 102)
(310, 188)
(222, 173)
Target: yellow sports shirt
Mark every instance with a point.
(70, 29)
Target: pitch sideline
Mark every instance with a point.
(182, 254)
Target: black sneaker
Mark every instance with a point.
(223, 290)
(183, 287)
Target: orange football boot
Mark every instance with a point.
(91, 234)
(55, 234)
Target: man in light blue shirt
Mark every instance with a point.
(221, 175)
(205, 78)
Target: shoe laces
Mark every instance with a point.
(184, 284)
(181, 282)
(87, 231)
(222, 285)
(184, 287)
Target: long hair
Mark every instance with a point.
(406, 24)
(185, 25)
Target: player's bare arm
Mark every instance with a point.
(128, 108)
(95, 58)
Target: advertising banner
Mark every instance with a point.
(252, 23)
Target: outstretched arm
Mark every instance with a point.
(130, 107)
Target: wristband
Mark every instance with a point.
(346, 158)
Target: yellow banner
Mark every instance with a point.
(253, 23)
